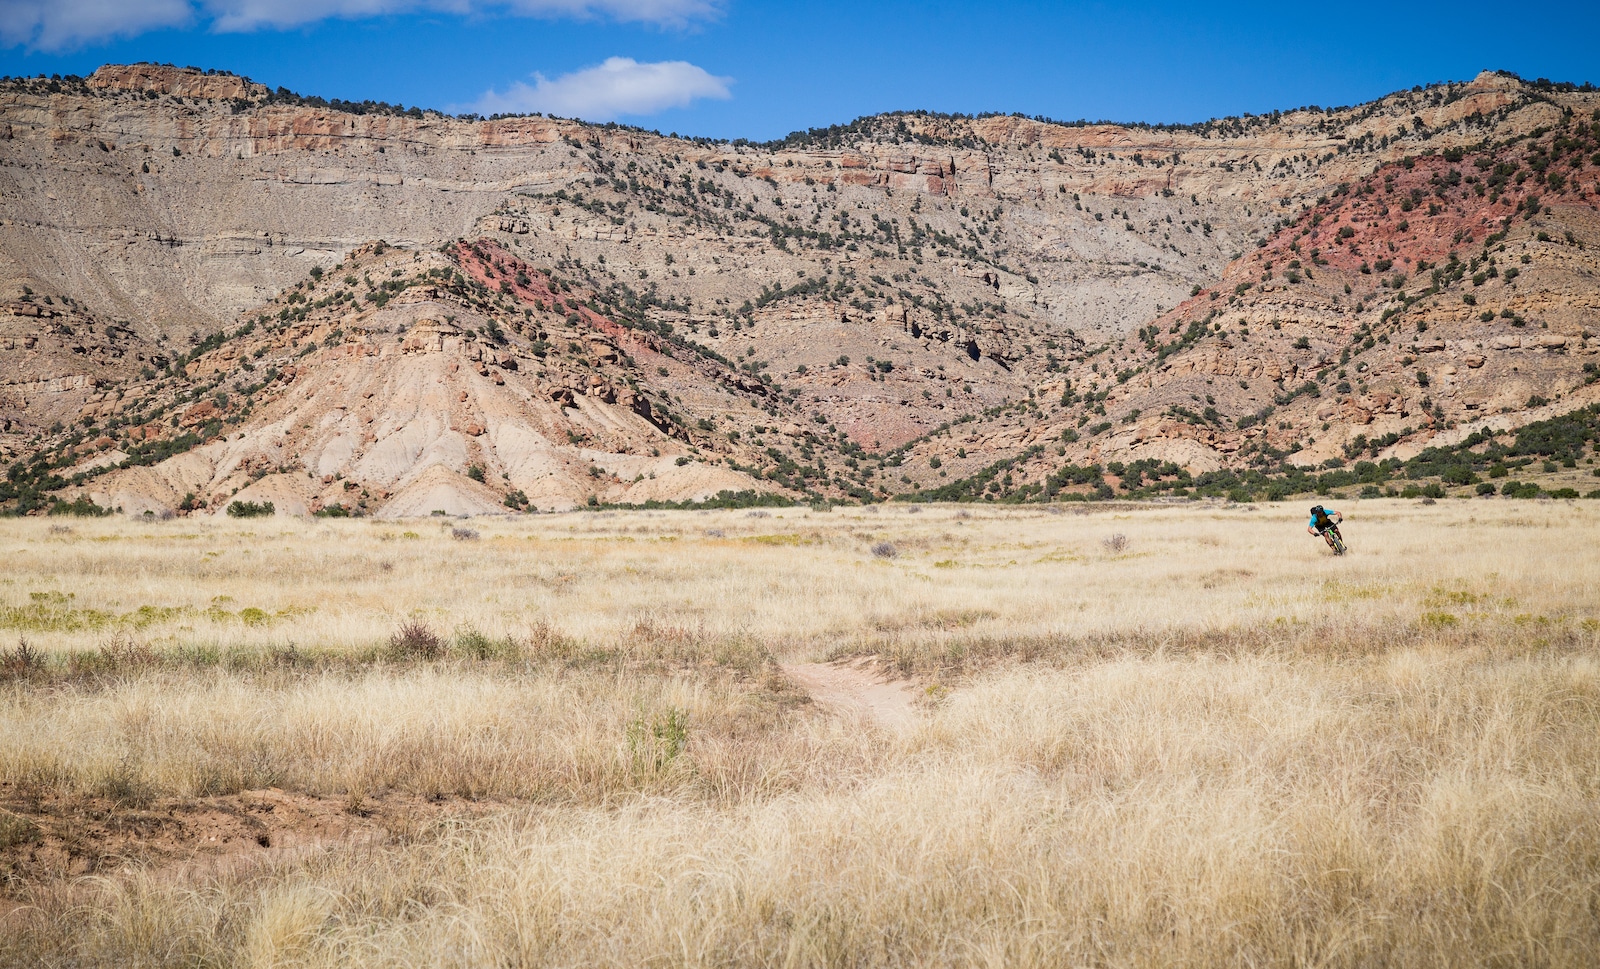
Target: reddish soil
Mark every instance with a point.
(66, 836)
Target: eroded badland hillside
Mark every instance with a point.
(211, 292)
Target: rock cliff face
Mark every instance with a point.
(1419, 304)
(868, 283)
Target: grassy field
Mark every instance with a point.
(1160, 735)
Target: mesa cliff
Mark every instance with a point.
(465, 314)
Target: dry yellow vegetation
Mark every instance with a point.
(1209, 743)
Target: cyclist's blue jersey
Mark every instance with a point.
(1329, 512)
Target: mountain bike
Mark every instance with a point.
(1335, 540)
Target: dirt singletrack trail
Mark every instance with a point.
(856, 689)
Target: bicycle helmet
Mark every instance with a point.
(1316, 510)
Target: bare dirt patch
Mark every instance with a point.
(857, 688)
(69, 836)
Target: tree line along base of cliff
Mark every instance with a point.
(1487, 462)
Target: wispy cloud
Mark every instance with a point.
(618, 86)
(234, 15)
(59, 24)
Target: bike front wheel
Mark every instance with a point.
(1337, 543)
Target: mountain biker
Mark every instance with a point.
(1323, 521)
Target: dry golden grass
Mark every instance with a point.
(1217, 746)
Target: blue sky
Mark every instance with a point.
(739, 68)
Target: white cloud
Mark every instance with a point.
(236, 15)
(231, 16)
(620, 85)
(57, 24)
(671, 13)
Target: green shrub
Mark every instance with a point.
(251, 509)
(473, 644)
(656, 742)
(81, 507)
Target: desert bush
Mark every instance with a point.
(122, 654)
(1116, 543)
(884, 550)
(464, 534)
(655, 742)
(472, 644)
(414, 640)
(545, 641)
(20, 662)
(81, 507)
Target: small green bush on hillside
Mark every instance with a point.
(251, 509)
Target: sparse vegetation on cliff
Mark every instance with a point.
(1369, 292)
